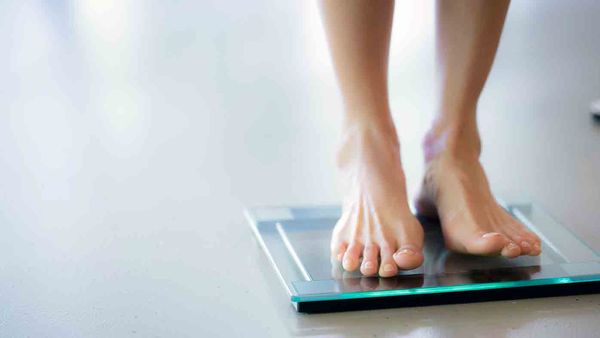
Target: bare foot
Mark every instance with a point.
(456, 190)
(376, 223)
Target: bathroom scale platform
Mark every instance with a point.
(296, 241)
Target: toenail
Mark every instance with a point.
(490, 234)
(536, 247)
(406, 251)
(525, 244)
(369, 265)
(512, 246)
(388, 268)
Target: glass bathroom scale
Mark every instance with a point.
(296, 241)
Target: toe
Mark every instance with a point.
(369, 263)
(527, 241)
(490, 243)
(352, 256)
(511, 250)
(537, 249)
(526, 247)
(339, 250)
(536, 243)
(388, 267)
(408, 257)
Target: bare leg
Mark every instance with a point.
(455, 186)
(377, 224)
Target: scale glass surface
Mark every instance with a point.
(296, 241)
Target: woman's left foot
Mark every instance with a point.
(456, 190)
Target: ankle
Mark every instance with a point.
(380, 126)
(362, 139)
(458, 139)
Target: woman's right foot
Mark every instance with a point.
(377, 231)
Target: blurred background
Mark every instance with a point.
(133, 133)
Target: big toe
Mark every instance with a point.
(490, 243)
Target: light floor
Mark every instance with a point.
(132, 134)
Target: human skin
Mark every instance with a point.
(377, 232)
